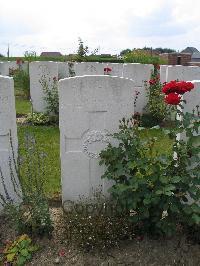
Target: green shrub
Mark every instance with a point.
(38, 119)
(148, 120)
(156, 186)
(141, 56)
(22, 81)
(50, 89)
(156, 109)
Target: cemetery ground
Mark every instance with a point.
(138, 249)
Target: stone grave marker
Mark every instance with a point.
(90, 108)
(89, 68)
(8, 135)
(139, 73)
(41, 71)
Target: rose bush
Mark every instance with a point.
(159, 190)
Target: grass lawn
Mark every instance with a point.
(47, 139)
(23, 106)
(163, 144)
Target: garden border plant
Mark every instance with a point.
(157, 188)
(156, 111)
(31, 214)
(19, 251)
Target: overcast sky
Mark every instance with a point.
(111, 25)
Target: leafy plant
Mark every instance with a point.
(161, 190)
(141, 56)
(22, 80)
(31, 215)
(19, 251)
(156, 109)
(71, 69)
(50, 89)
(38, 119)
(82, 50)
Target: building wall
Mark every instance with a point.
(172, 58)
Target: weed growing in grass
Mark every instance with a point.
(95, 223)
(31, 215)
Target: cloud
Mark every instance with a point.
(160, 23)
(112, 25)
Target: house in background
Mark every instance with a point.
(190, 50)
(195, 56)
(190, 56)
(176, 58)
(51, 54)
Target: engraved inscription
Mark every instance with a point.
(93, 137)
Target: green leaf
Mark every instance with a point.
(21, 261)
(159, 192)
(187, 209)
(176, 179)
(10, 257)
(174, 208)
(196, 218)
(24, 252)
(169, 187)
(146, 201)
(13, 250)
(195, 208)
(164, 179)
(168, 193)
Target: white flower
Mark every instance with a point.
(164, 215)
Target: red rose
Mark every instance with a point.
(18, 61)
(152, 81)
(107, 69)
(173, 98)
(179, 87)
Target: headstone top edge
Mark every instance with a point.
(96, 76)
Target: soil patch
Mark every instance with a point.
(139, 251)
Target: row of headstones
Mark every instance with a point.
(138, 72)
(90, 107)
(59, 70)
(7, 66)
(186, 73)
(54, 70)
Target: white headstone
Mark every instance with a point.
(8, 130)
(174, 73)
(39, 71)
(89, 68)
(192, 99)
(139, 73)
(183, 73)
(191, 73)
(90, 107)
(163, 73)
(6, 66)
(63, 70)
(116, 69)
